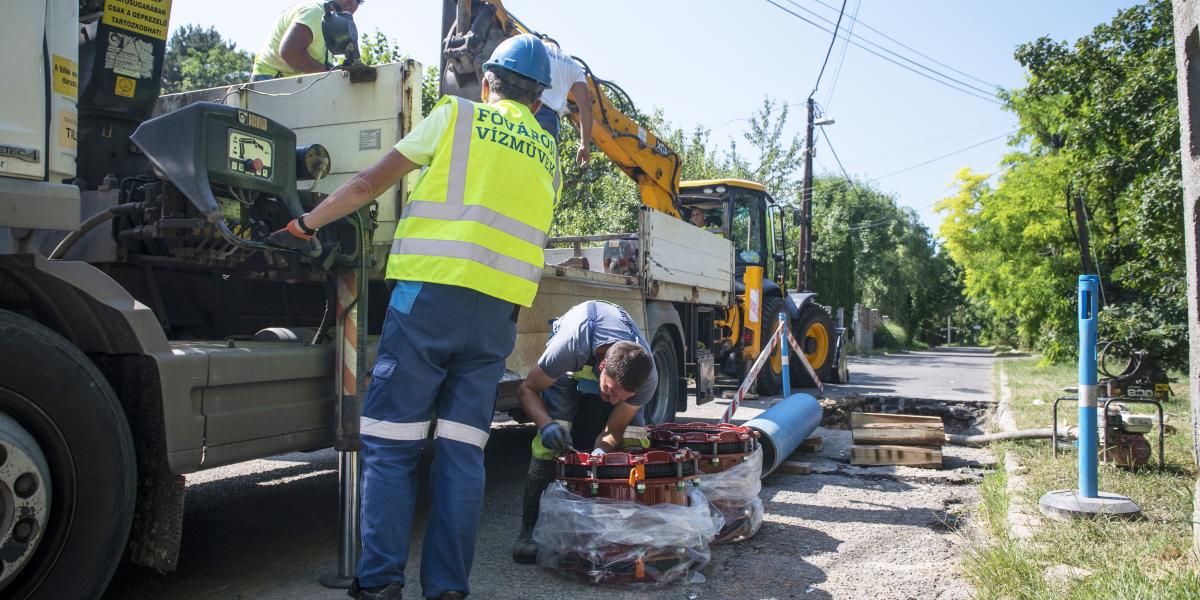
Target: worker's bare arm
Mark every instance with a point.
(361, 189)
(530, 395)
(583, 99)
(294, 49)
(614, 430)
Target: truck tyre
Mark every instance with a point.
(770, 378)
(814, 332)
(56, 404)
(661, 408)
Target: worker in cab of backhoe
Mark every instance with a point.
(595, 354)
(567, 77)
(466, 256)
(296, 44)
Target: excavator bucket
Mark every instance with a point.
(471, 30)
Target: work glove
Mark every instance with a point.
(598, 452)
(293, 238)
(555, 437)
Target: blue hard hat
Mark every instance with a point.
(525, 55)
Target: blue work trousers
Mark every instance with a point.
(549, 120)
(441, 354)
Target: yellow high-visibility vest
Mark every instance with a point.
(479, 216)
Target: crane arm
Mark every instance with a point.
(473, 29)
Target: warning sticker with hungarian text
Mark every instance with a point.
(66, 76)
(147, 17)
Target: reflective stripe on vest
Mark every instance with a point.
(463, 241)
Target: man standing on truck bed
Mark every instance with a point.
(567, 77)
(296, 45)
(467, 255)
(595, 353)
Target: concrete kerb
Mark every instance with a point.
(1022, 522)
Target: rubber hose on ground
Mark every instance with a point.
(1003, 436)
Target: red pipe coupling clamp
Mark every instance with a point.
(721, 445)
(651, 476)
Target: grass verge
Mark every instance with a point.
(1148, 558)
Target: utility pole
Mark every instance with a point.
(1187, 59)
(949, 338)
(804, 250)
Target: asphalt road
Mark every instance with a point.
(941, 373)
(267, 529)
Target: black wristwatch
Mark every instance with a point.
(304, 227)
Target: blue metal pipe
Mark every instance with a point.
(1088, 307)
(784, 427)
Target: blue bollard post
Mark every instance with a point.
(783, 359)
(1088, 306)
(1087, 501)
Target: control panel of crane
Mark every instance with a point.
(250, 154)
(206, 146)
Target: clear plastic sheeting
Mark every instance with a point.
(734, 493)
(621, 543)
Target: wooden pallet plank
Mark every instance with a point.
(859, 419)
(902, 434)
(812, 444)
(793, 467)
(913, 456)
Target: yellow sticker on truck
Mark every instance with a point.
(125, 86)
(68, 129)
(66, 76)
(147, 17)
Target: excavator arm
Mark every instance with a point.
(473, 28)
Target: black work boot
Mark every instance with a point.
(541, 473)
(391, 591)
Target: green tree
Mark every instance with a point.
(378, 49)
(1099, 124)
(200, 58)
(430, 84)
(777, 160)
(868, 250)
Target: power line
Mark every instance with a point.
(947, 155)
(829, 51)
(987, 90)
(1006, 121)
(850, 181)
(855, 20)
(966, 90)
(837, 73)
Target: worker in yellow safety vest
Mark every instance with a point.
(466, 256)
(296, 45)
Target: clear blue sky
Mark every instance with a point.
(711, 62)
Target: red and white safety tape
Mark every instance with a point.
(754, 369)
(804, 360)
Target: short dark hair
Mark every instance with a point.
(628, 364)
(511, 86)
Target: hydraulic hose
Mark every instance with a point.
(1006, 436)
(93, 222)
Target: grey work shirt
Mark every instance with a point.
(574, 342)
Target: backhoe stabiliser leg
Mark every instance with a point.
(350, 339)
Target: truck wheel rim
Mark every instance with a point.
(816, 345)
(24, 497)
